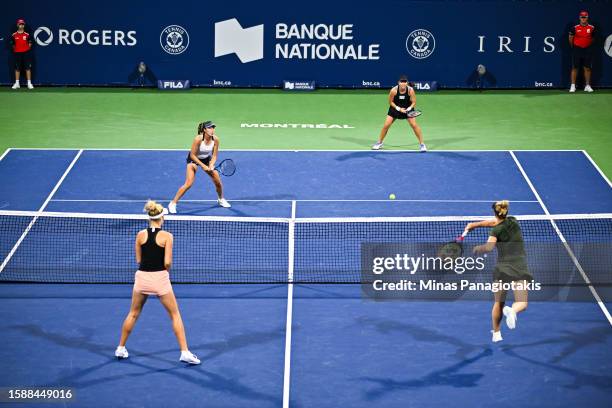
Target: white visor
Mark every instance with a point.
(158, 216)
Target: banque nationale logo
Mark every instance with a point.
(174, 39)
(420, 43)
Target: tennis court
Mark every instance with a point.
(269, 342)
(387, 178)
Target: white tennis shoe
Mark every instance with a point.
(121, 353)
(30, 86)
(496, 336)
(573, 88)
(377, 146)
(588, 88)
(172, 207)
(16, 85)
(189, 358)
(224, 203)
(510, 317)
(423, 148)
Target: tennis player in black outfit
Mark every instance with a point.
(154, 256)
(402, 100)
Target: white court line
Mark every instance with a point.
(287, 372)
(41, 209)
(5, 153)
(299, 201)
(601, 304)
(607, 180)
(365, 149)
(61, 180)
(287, 375)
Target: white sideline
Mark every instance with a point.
(5, 153)
(601, 304)
(40, 210)
(601, 173)
(287, 373)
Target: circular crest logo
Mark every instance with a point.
(174, 39)
(43, 36)
(608, 45)
(420, 43)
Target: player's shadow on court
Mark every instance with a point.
(211, 208)
(581, 379)
(391, 154)
(419, 333)
(440, 142)
(206, 208)
(573, 341)
(445, 377)
(212, 350)
(196, 375)
(216, 349)
(240, 341)
(354, 140)
(367, 154)
(268, 197)
(460, 156)
(318, 291)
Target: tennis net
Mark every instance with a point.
(99, 248)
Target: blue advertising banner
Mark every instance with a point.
(334, 44)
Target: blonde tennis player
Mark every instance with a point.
(154, 256)
(203, 154)
(511, 264)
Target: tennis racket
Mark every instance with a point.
(226, 167)
(453, 249)
(414, 113)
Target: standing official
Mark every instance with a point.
(22, 53)
(581, 41)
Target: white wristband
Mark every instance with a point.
(397, 108)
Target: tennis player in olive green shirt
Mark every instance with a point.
(511, 265)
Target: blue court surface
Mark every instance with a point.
(304, 345)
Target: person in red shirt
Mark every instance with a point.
(22, 46)
(581, 40)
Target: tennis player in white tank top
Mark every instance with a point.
(203, 154)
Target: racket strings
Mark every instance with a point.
(227, 167)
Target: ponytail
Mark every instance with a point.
(201, 128)
(500, 208)
(153, 209)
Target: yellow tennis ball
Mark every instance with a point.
(392, 196)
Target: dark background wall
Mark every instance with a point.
(84, 42)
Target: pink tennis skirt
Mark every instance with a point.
(152, 283)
